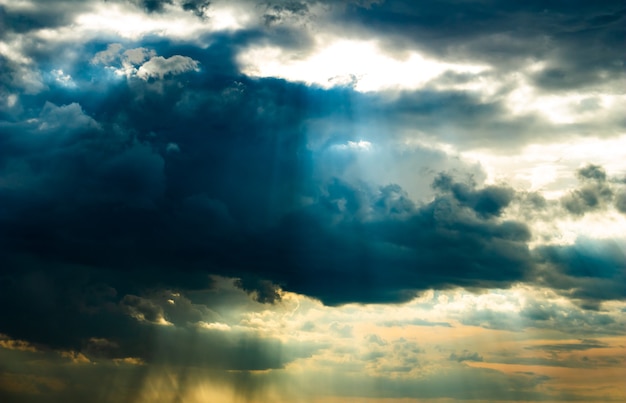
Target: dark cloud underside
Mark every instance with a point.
(133, 170)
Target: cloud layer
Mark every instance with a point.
(223, 189)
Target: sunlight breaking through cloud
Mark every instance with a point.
(310, 201)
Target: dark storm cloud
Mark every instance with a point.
(466, 355)
(505, 34)
(97, 208)
(263, 291)
(589, 258)
(134, 182)
(486, 202)
(152, 5)
(459, 118)
(198, 7)
(498, 33)
(125, 184)
(594, 172)
(132, 170)
(594, 194)
(44, 14)
(73, 309)
(586, 344)
(277, 12)
(589, 270)
(352, 233)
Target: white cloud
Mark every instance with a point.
(360, 145)
(137, 55)
(62, 78)
(133, 23)
(159, 67)
(12, 100)
(357, 63)
(215, 326)
(111, 54)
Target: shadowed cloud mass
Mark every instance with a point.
(234, 201)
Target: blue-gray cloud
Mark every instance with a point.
(133, 166)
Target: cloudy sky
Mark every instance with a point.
(312, 201)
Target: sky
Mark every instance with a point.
(312, 201)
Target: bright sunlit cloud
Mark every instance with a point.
(605, 225)
(360, 145)
(214, 326)
(114, 20)
(62, 78)
(340, 62)
(551, 167)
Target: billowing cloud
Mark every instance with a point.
(594, 194)
(591, 270)
(230, 201)
(159, 67)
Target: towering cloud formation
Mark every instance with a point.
(265, 193)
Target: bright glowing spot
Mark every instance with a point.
(128, 24)
(548, 167)
(75, 357)
(12, 344)
(163, 322)
(567, 108)
(214, 326)
(360, 64)
(62, 78)
(603, 225)
(159, 67)
(360, 145)
(128, 360)
(496, 301)
(421, 140)
(484, 87)
(11, 100)
(176, 23)
(227, 19)
(10, 51)
(541, 175)
(21, 5)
